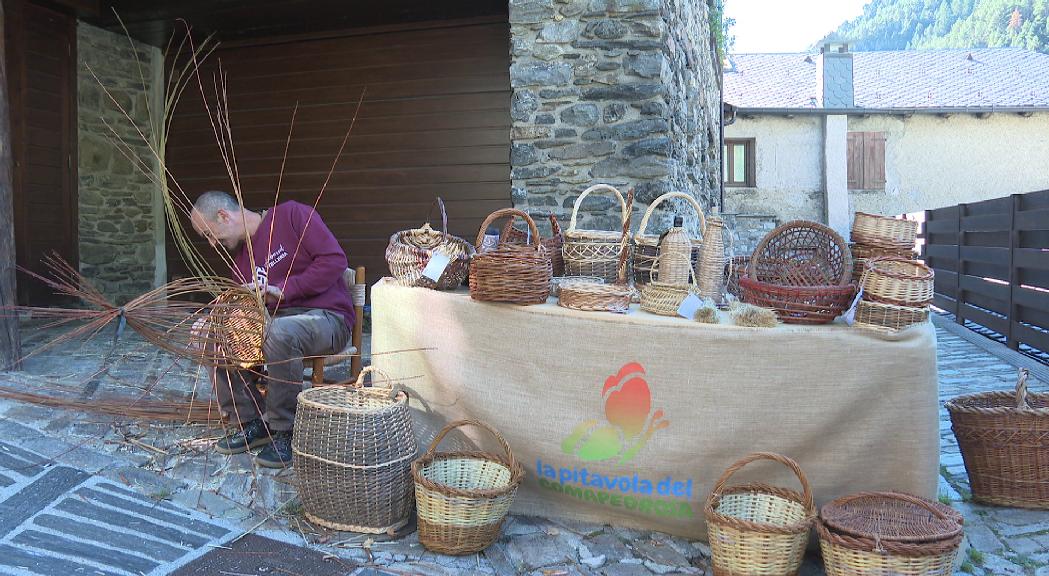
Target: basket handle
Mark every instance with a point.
(394, 390)
(555, 226)
(624, 242)
(651, 208)
(458, 423)
(444, 215)
(1021, 389)
(579, 200)
(509, 212)
(788, 462)
(693, 281)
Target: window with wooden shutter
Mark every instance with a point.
(866, 160)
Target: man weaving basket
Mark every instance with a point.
(288, 254)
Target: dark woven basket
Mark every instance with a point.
(1004, 440)
(353, 449)
(409, 252)
(553, 243)
(799, 304)
(511, 272)
(801, 253)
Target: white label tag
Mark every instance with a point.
(850, 314)
(435, 267)
(689, 305)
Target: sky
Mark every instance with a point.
(786, 25)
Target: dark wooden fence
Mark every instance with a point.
(992, 265)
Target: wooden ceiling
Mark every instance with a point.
(152, 21)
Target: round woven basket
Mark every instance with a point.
(799, 304)
(553, 243)
(353, 449)
(801, 253)
(238, 322)
(887, 317)
(883, 231)
(558, 282)
(1004, 440)
(758, 529)
(410, 251)
(888, 533)
(861, 253)
(898, 281)
(665, 299)
(646, 246)
(463, 497)
(511, 272)
(593, 252)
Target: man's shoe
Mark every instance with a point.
(251, 435)
(278, 453)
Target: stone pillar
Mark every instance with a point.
(623, 92)
(835, 172)
(118, 203)
(10, 341)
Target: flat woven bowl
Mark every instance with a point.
(801, 253)
(1004, 440)
(595, 297)
(799, 304)
(559, 282)
(883, 231)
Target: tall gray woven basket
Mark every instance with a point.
(353, 450)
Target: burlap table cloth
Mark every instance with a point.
(629, 419)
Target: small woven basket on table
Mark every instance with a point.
(598, 296)
(897, 281)
(410, 251)
(665, 299)
(802, 270)
(884, 232)
(463, 497)
(646, 246)
(353, 449)
(888, 533)
(861, 253)
(887, 318)
(758, 529)
(553, 243)
(1004, 440)
(510, 272)
(593, 252)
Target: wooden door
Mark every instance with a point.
(42, 82)
(435, 121)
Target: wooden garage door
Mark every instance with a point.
(435, 121)
(41, 55)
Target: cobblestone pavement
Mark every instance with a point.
(112, 495)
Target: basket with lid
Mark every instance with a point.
(352, 449)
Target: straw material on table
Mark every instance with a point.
(1004, 440)
(410, 251)
(898, 281)
(509, 272)
(593, 252)
(646, 246)
(463, 497)
(353, 448)
(553, 243)
(888, 533)
(887, 317)
(883, 231)
(757, 529)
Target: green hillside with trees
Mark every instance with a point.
(905, 24)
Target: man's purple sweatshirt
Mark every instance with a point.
(316, 263)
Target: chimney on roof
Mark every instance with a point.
(834, 88)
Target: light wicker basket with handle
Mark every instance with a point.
(593, 252)
(601, 297)
(646, 246)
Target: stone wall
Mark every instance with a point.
(623, 92)
(119, 219)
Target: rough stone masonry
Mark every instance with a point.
(624, 92)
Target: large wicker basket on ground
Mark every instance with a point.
(464, 496)
(593, 252)
(888, 533)
(553, 243)
(410, 251)
(511, 272)
(758, 529)
(646, 246)
(1004, 440)
(353, 448)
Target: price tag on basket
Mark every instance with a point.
(435, 267)
(850, 314)
(689, 306)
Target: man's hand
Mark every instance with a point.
(271, 293)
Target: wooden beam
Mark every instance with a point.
(10, 343)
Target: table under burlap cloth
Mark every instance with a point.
(629, 419)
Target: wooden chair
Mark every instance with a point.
(355, 284)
